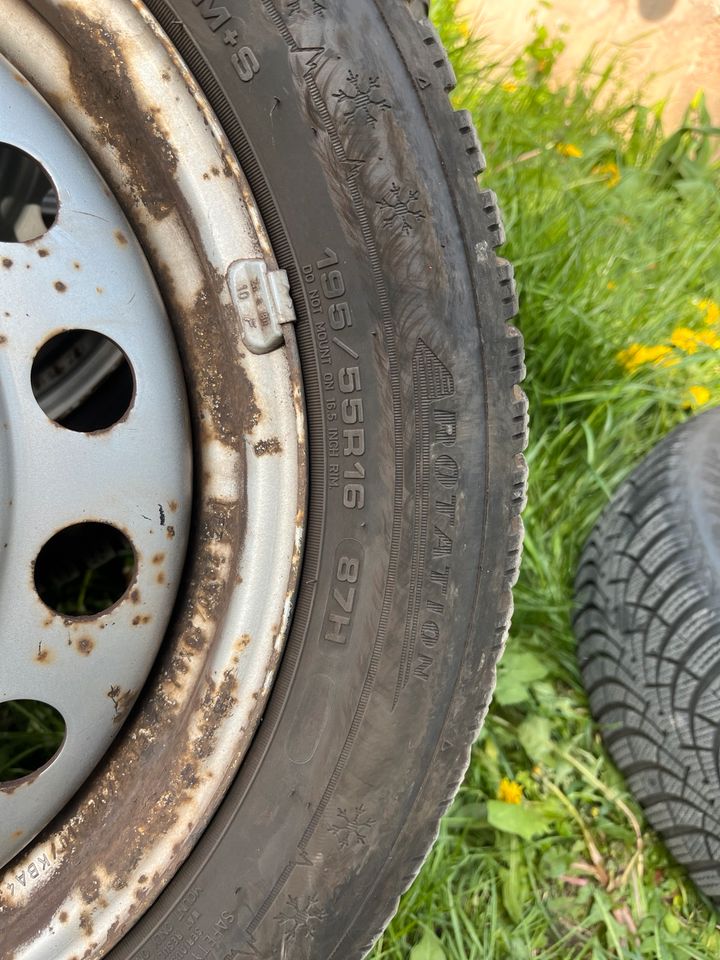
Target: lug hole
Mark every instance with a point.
(31, 734)
(28, 200)
(82, 381)
(85, 569)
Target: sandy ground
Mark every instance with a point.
(675, 49)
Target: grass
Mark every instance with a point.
(30, 734)
(614, 229)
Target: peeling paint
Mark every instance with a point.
(147, 803)
(267, 447)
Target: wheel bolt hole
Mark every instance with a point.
(84, 569)
(31, 734)
(82, 381)
(28, 200)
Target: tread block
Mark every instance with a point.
(470, 141)
(509, 295)
(438, 58)
(492, 217)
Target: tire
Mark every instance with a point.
(648, 626)
(366, 181)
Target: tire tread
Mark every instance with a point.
(648, 629)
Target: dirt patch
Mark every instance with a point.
(670, 47)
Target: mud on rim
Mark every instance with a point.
(152, 210)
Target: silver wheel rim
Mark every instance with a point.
(203, 237)
(80, 276)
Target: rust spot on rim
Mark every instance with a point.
(90, 888)
(85, 646)
(121, 701)
(267, 447)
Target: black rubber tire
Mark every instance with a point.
(369, 725)
(648, 625)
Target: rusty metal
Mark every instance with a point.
(119, 86)
(59, 477)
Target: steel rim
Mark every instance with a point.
(86, 879)
(77, 276)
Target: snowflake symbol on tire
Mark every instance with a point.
(362, 102)
(401, 208)
(302, 917)
(352, 830)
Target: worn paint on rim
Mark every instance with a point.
(110, 73)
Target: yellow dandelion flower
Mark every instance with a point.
(612, 285)
(510, 791)
(711, 309)
(698, 396)
(636, 355)
(660, 356)
(628, 358)
(610, 172)
(569, 150)
(690, 341)
(509, 86)
(684, 339)
(708, 338)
